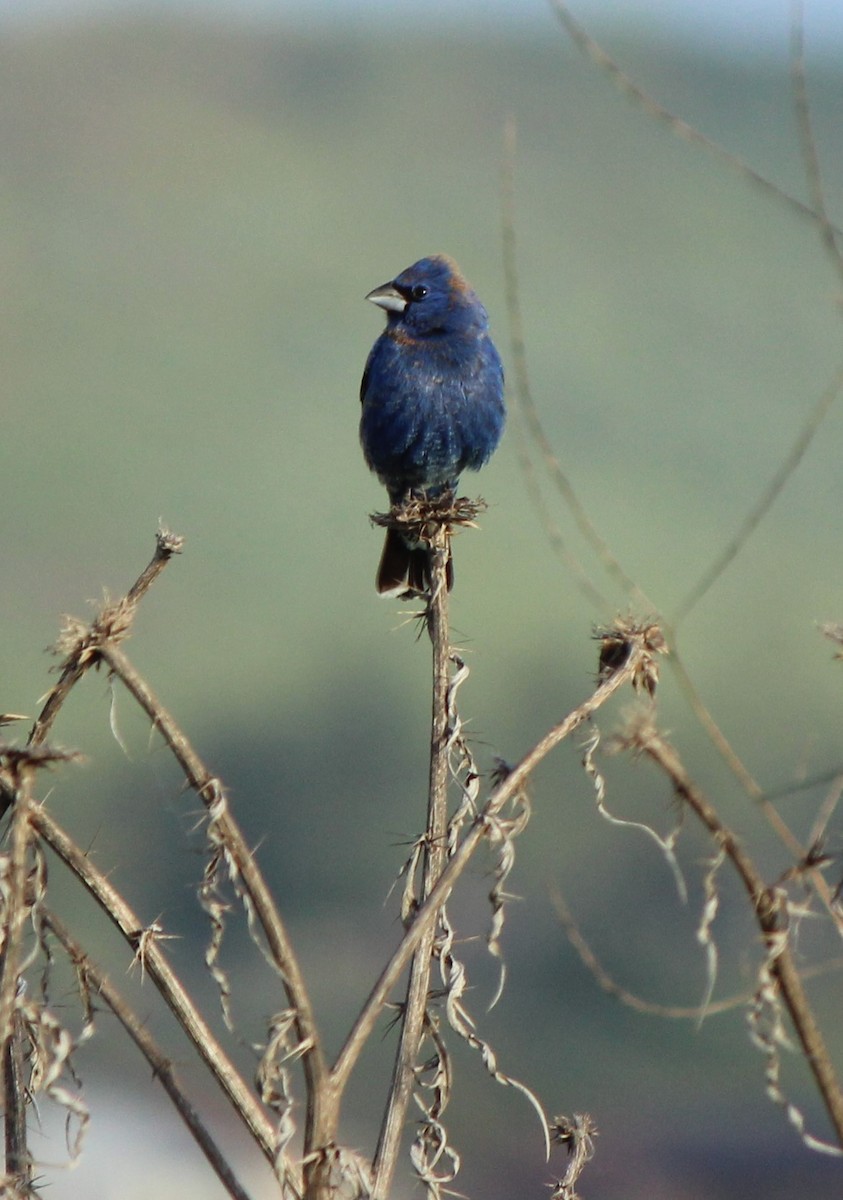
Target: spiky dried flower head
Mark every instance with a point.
(18, 758)
(576, 1133)
(81, 642)
(16, 762)
(620, 640)
(168, 543)
(420, 518)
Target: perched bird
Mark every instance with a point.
(432, 397)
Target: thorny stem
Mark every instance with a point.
(95, 982)
(426, 915)
(18, 1163)
(75, 666)
(99, 644)
(322, 1111)
(18, 1166)
(166, 545)
(415, 1006)
(165, 979)
(770, 912)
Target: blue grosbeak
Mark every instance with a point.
(432, 396)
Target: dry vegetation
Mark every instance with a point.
(466, 813)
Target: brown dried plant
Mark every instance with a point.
(424, 978)
(39, 1049)
(778, 1004)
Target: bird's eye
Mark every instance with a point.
(419, 292)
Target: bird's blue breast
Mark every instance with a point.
(432, 408)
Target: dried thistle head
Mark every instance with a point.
(113, 621)
(82, 642)
(576, 1133)
(625, 637)
(72, 637)
(168, 543)
(420, 518)
(16, 761)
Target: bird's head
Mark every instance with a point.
(430, 297)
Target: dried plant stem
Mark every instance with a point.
(95, 982)
(415, 1006)
(807, 141)
(425, 918)
(320, 1128)
(781, 477)
(652, 108)
(155, 963)
(18, 1161)
(525, 407)
(770, 911)
(82, 658)
(18, 1166)
(521, 397)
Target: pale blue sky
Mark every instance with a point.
(733, 23)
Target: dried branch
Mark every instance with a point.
(435, 853)
(770, 908)
(167, 983)
(321, 1113)
(94, 981)
(643, 100)
(765, 501)
(81, 643)
(612, 988)
(17, 772)
(525, 407)
(514, 783)
(807, 142)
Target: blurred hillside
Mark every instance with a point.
(191, 217)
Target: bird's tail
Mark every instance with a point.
(405, 566)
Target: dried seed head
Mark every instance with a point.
(420, 518)
(620, 640)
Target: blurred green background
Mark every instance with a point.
(192, 212)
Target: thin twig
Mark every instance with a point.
(765, 501)
(525, 406)
(511, 785)
(321, 1114)
(521, 398)
(807, 141)
(612, 988)
(771, 914)
(96, 981)
(167, 983)
(17, 909)
(83, 655)
(435, 854)
(652, 108)
(18, 1163)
